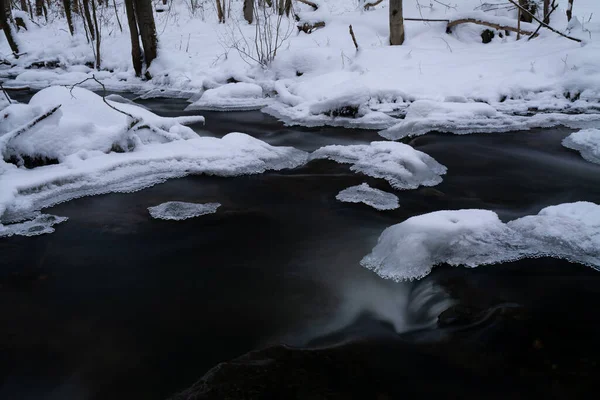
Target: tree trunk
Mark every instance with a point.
(546, 11)
(529, 6)
(249, 10)
(96, 28)
(288, 7)
(220, 12)
(75, 6)
(7, 27)
(280, 7)
(136, 52)
(39, 8)
(24, 5)
(396, 23)
(67, 5)
(145, 21)
(88, 18)
(570, 10)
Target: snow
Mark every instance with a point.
(42, 223)
(316, 75)
(587, 142)
(409, 250)
(237, 96)
(401, 165)
(179, 210)
(88, 150)
(364, 193)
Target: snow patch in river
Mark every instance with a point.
(409, 250)
(364, 193)
(401, 165)
(42, 223)
(586, 142)
(179, 210)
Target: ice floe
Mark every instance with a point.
(586, 142)
(401, 165)
(364, 193)
(179, 210)
(410, 249)
(42, 223)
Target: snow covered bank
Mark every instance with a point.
(363, 193)
(587, 142)
(179, 210)
(401, 165)
(320, 79)
(409, 250)
(87, 147)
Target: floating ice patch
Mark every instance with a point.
(179, 210)
(43, 223)
(409, 250)
(401, 165)
(586, 142)
(238, 96)
(424, 116)
(364, 193)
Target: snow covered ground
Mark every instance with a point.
(450, 82)
(410, 249)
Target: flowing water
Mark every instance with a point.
(117, 305)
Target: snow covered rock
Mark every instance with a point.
(82, 123)
(401, 165)
(42, 223)
(364, 193)
(179, 210)
(587, 142)
(409, 250)
(239, 96)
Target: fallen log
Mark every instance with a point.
(499, 27)
(308, 27)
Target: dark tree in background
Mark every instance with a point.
(7, 26)
(396, 23)
(69, 15)
(570, 10)
(88, 18)
(141, 26)
(249, 10)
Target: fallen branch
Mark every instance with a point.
(353, 37)
(308, 28)
(6, 138)
(310, 3)
(543, 24)
(369, 5)
(427, 19)
(5, 94)
(452, 24)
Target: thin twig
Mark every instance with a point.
(5, 94)
(23, 128)
(353, 37)
(554, 7)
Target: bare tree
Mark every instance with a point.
(98, 37)
(67, 5)
(220, 12)
(24, 5)
(546, 11)
(147, 29)
(248, 10)
(136, 51)
(396, 23)
(7, 27)
(530, 6)
(88, 18)
(570, 10)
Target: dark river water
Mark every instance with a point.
(116, 305)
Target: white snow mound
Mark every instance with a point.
(364, 193)
(179, 210)
(409, 250)
(42, 223)
(586, 142)
(239, 96)
(401, 165)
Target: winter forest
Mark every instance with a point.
(299, 199)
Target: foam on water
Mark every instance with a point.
(42, 223)
(364, 193)
(179, 210)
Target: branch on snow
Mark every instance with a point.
(452, 24)
(543, 24)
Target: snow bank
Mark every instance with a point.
(587, 142)
(409, 250)
(83, 124)
(401, 165)
(364, 193)
(179, 210)
(42, 223)
(424, 116)
(238, 96)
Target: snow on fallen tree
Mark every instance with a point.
(470, 238)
